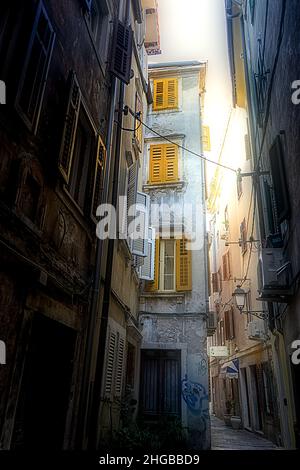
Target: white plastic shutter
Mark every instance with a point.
(140, 236)
(147, 269)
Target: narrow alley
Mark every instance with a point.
(226, 438)
(150, 227)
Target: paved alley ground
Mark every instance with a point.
(226, 438)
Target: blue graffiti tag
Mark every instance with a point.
(195, 396)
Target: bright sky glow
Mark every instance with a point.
(196, 30)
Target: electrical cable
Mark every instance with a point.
(174, 143)
(186, 149)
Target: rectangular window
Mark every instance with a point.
(206, 138)
(83, 154)
(33, 79)
(165, 93)
(226, 266)
(239, 186)
(138, 125)
(130, 366)
(98, 21)
(261, 84)
(163, 163)
(167, 265)
(229, 324)
(173, 267)
(243, 236)
(280, 186)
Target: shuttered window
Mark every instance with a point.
(165, 94)
(153, 286)
(70, 127)
(122, 51)
(173, 267)
(206, 138)
(281, 194)
(33, 79)
(115, 357)
(110, 360)
(138, 124)
(139, 237)
(147, 268)
(163, 163)
(119, 366)
(98, 177)
(243, 232)
(229, 324)
(183, 271)
(226, 266)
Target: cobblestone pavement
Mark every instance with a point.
(226, 438)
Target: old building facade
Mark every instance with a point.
(173, 306)
(261, 36)
(68, 72)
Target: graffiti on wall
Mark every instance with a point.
(196, 398)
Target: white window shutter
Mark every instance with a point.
(129, 199)
(119, 366)
(110, 361)
(147, 269)
(140, 241)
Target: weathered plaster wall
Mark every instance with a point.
(186, 333)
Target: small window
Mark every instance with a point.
(243, 234)
(83, 155)
(167, 275)
(98, 20)
(163, 163)
(173, 266)
(261, 84)
(229, 324)
(239, 186)
(138, 134)
(130, 366)
(165, 94)
(226, 266)
(33, 79)
(206, 138)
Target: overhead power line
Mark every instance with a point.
(137, 116)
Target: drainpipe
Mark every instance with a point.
(96, 399)
(86, 391)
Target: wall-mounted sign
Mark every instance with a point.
(218, 351)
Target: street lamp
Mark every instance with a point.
(240, 298)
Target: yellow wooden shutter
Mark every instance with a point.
(153, 286)
(171, 93)
(159, 92)
(156, 164)
(206, 138)
(170, 163)
(183, 266)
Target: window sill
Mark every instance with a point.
(164, 295)
(155, 186)
(164, 111)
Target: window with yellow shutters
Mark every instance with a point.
(206, 139)
(165, 94)
(183, 268)
(171, 162)
(163, 163)
(173, 268)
